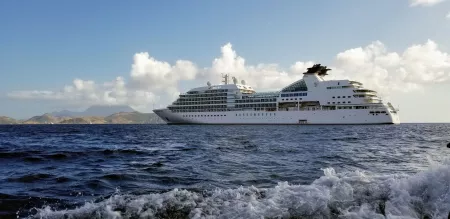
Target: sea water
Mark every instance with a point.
(161, 171)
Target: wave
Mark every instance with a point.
(40, 156)
(335, 195)
(31, 178)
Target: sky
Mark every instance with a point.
(57, 55)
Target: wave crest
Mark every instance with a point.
(334, 195)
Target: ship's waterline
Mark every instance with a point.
(311, 100)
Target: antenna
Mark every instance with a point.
(235, 80)
(243, 82)
(225, 78)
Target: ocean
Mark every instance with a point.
(236, 171)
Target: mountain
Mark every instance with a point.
(84, 120)
(133, 118)
(64, 113)
(7, 120)
(106, 110)
(117, 118)
(96, 110)
(93, 115)
(44, 119)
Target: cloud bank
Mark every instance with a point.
(425, 2)
(151, 81)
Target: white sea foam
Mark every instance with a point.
(334, 195)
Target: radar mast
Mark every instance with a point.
(225, 78)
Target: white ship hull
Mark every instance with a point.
(347, 116)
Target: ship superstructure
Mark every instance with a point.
(310, 100)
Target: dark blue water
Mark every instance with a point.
(160, 171)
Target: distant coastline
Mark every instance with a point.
(116, 118)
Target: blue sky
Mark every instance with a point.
(45, 45)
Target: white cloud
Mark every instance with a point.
(86, 93)
(261, 76)
(153, 81)
(149, 73)
(448, 16)
(425, 2)
(386, 71)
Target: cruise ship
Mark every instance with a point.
(310, 100)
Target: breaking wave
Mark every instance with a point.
(334, 195)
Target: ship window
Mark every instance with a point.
(338, 83)
(295, 98)
(339, 96)
(328, 102)
(349, 102)
(299, 85)
(333, 97)
(339, 102)
(343, 96)
(334, 102)
(349, 96)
